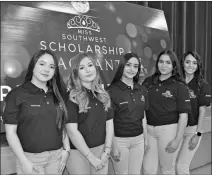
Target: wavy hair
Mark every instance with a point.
(120, 69)
(198, 74)
(78, 93)
(55, 83)
(176, 72)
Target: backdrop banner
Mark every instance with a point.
(107, 30)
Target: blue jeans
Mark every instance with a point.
(132, 152)
(47, 162)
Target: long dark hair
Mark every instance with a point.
(120, 69)
(55, 83)
(198, 74)
(176, 72)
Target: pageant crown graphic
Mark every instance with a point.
(83, 22)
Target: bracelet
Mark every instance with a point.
(107, 152)
(107, 147)
(68, 151)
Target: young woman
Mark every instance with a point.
(169, 105)
(129, 103)
(200, 98)
(90, 119)
(34, 118)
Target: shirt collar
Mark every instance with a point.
(30, 86)
(193, 81)
(123, 86)
(167, 81)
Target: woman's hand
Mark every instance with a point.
(27, 167)
(95, 162)
(115, 153)
(193, 142)
(105, 155)
(146, 146)
(64, 158)
(172, 146)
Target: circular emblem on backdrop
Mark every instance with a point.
(81, 6)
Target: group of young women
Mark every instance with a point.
(158, 123)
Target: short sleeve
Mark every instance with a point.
(183, 99)
(113, 105)
(145, 92)
(73, 112)
(205, 95)
(11, 111)
(146, 82)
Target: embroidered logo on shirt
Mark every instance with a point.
(167, 94)
(142, 98)
(191, 94)
(35, 105)
(123, 102)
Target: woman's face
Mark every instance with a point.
(190, 64)
(131, 68)
(87, 70)
(165, 65)
(44, 68)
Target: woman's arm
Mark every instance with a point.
(65, 153)
(14, 142)
(174, 144)
(66, 144)
(144, 122)
(202, 110)
(77, 138)
(182, 123)
(146, 141)
(108, 140)
(109, 133)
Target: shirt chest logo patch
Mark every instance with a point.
(191, 94)
(167, 94)
(35, 105)
(125, 102)
(142, 98)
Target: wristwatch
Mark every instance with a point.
(199, 134)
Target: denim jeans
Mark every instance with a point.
(159, 137)
(185, 155)
(132, 152)
(78, 164)
(47, 162)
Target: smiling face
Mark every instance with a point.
(87, 71)
(131, 68)
(44, 69)
(165, 65)
(190, 64)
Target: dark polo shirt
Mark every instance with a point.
(91, 124)
(129, 105)
(167, 99)
(35, 113)
(200, 96)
